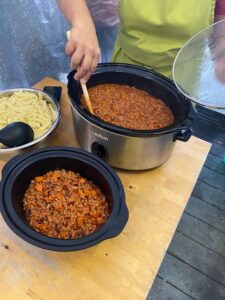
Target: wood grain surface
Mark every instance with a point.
(120, 268)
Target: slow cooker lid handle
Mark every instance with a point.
(54, 92)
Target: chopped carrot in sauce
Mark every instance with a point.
(39, 178)
(38, 187)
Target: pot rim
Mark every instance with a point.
(184, 123)
(43, 136)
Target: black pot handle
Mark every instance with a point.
(119, 223)
(11, 163)
(54, 92)
(183, 135)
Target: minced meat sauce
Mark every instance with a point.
(129, 107)
(63, 204)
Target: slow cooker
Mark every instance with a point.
(128, 148)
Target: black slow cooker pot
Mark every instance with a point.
(20, 170)
(128, 148)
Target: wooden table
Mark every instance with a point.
(120, 268)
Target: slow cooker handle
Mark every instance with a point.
(119, 223)
(183, 135)
(7, 168)
(10, 165)
(54, 92)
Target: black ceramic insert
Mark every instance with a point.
(18, 173)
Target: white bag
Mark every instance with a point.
(104, 12)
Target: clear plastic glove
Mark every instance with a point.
(83, 48)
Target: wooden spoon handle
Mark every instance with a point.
(87, 98)
(84, 88)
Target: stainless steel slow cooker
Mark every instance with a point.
(126, 148)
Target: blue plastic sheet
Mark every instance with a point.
(32, 41)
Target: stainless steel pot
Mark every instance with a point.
(125, 148)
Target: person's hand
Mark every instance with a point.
(83, 48)
(220, 69)
(219, 59)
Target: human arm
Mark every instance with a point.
(219, 41)
(220, 10)
(82, 46)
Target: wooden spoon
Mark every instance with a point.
(84, 88)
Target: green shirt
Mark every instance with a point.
(151, 32)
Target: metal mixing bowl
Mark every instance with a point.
(49, 99)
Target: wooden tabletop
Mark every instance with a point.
(120, 268)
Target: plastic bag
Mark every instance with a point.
(104, 12)
(32, 42)
(33, 39)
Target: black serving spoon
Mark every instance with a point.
(16, 134)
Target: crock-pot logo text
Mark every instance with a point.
(100, 136)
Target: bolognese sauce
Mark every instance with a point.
(63, 204)
(129, 107)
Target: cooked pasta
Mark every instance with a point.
(28, 107)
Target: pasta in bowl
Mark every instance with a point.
(32, 106)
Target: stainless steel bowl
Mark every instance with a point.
(49, 99)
